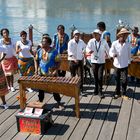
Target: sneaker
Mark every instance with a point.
(116, 96)
(125, 97)
(30, 90)
(5, 106)
(13, 89)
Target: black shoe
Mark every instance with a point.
(95, 92)
(101, 95)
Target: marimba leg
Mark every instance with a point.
(22, 97)
(77, 106)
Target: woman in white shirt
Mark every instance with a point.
(98, 48)
(9, 63)
(25, 56)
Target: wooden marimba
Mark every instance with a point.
(134, 68)
(69, 86)
(64, 64)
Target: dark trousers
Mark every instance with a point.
(121, 79)
(77, 68)
(55, 95)
(61, 73)
(98, 76)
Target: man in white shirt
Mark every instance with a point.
(121, 53)
(99, 49)
(76, 47)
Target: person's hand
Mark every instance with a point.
(115, 55)
(75, 61)
(19, 50)
(36, 73)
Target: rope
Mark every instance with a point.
(37, 30)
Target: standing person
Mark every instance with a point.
(25, 56)
(9, 64)
(76, 47)
(134, 39)
(98, 48)
(3, 84)
(60, 41)
(120, 51)
(107, 36)
(47, 63)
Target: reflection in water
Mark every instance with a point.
(45, 15)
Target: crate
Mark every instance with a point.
(32, 124)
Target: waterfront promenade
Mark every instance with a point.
(101, 119)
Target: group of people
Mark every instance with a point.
(46, 60)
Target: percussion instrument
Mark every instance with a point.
(69, 86)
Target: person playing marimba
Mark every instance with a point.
(60, 42)
(46, 64)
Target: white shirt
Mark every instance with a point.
(123, 53)
(100, 50)
(9, 49)
(25, 49)
(75, 50)
(2, 50)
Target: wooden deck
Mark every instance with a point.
(105, 119)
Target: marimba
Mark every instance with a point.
(134, 68)
(64, 64)
(69, 86)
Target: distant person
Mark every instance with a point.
(98, 48)
(107, 36)
(76, 48)
(121, 53)
(60, 42)
(25, 56)
(40, 45)
(9, 63)
(3, 84)
(134, 39)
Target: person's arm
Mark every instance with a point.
(89, 48)
(112, 51)
(18, 49)
(3, 56)
(107, 49)
(36, 62)
(129, 54)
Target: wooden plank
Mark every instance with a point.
(73, 122)
(134, 127)
(85, 120)
(96, 123)
(120, 132)
(59, 119)
(111, 118)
